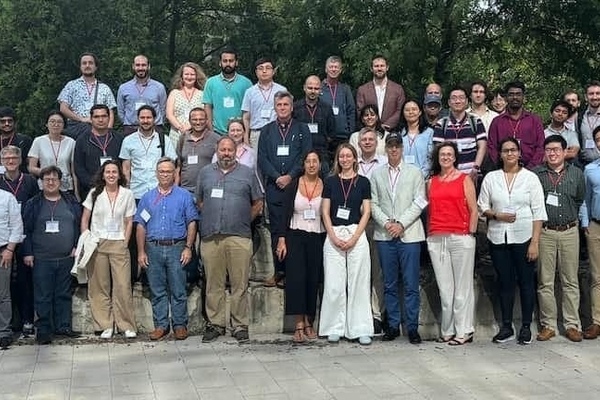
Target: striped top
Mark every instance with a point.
(466, 137)
(567, 189)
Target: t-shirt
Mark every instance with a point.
(108, 219)
(54, 245)
(60, 154)
(357, 189)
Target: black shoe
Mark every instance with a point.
(506, 334)
(524, 335)
(241, 336)
(390, 334)
(211, 333)
(5, 342)
(377, 327)
(43, 339)
(68, 334)
(414, 337)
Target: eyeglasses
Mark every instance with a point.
(50, 180)
(458, 98)
(10, 158)
(508, 151)
(555, 150)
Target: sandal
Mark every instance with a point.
(460, 341)
(309, 332)
(444, 339)
(299, 336)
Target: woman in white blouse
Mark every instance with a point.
(512, 200)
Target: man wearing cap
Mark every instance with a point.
(9, 136)
(397, 201)
(432, 105)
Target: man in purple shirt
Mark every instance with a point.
(524, 126)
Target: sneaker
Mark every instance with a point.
(43, 339)
(377, 326)
(68, 334)
(130, 334)
(27, 329)
(506, 334)
(333, 338)
(107, 333)
(5, 342)
(390, 334)
(241, 335)
(211, 333)
(524, 335)
(414, 337)
(365, 340)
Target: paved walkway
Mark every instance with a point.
(278, 370)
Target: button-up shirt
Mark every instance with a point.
(417, 150)
(366, 168)
(591, 209)
(80, 97)
(589, 122)
(528, 130)
(260, 104)
(11, 224)
(568, 187)
(132, 95)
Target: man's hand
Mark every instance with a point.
(7, 258)
(28, 260)
(283, 181)
(143, 259)
(186, 256)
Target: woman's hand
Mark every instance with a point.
(532, 251)
(281, 250)
(505, 217)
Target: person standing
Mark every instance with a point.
(166, 232)
(417, 137)
(9, 136)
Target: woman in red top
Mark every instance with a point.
(451, 242)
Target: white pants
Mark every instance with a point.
(254, 136)
(346, 305)
(453, 259)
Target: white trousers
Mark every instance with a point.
(453, 260)
(346, 304)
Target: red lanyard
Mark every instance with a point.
(332, 92)
(312, 113)
(515, 128)
(265, 98)
(282, 133)
(160, 196)
(12, 189)
(57, 152)
(90, 88)
(558, 179)
(459, 126)
(361, 165)
(102, 146)
(12, 136)
(345, 192)
(310, 195)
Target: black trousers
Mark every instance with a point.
(277, 209)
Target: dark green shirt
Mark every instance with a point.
(568, 187)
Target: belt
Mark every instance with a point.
(561, 228)
(166, 242)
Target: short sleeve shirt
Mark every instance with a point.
(356, 190)
(80, 97)
(108, 218)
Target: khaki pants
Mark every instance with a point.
(109, 286)
(254, 136)
(377, 303)
(227, 255)
(559, 250)
(593, 244)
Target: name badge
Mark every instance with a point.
(52, 227)
(104, 159)
(410, 159)
(112, 225)
(2, 169)
(589, 144)
(228, 102)
(265, 113)
(552, 199)
(139, 104)
(343, 213)
(145, 215)
(283, 150)
(336, 110)
(310, 214)
(192, 159)
(313, 128)
(216, 193)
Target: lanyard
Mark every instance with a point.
(345, 192)
(333, 92)
(112, 203)
(411, 141)
(509, 185)
(312, 113)
(282, 133)
(189, 97)
(595, 123)
(265, 98)
(146, 148)
(52, 208)
(459, 126)
(102, 147)
(10, 140)
(56, 153)
(393, 180)
(556, 181)
(310, 195)
(12, 189)
(90, 88)
(515, 128)
(143, 86)
(371, 163)
(160, 196)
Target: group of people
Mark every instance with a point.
(351, 187)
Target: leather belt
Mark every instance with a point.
(561, 228)
(166, 242)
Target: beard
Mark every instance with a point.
(228, 70)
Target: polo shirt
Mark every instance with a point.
(225, 97)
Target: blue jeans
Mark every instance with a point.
(167, 280)
(52, 294)
(397, 257)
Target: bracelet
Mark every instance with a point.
(187, 246)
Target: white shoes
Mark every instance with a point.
(130, 334)
(107, 333)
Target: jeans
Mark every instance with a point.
(397, 257)
(52, 294)
(512, 267)
(167, 281)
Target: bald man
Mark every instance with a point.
(318, 115)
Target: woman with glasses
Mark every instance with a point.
(56, 149)
(369, 117)
(108, 213)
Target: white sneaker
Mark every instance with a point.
(130, 334)
(107, 333)
(364, 340)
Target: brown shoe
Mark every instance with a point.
(546, 334)
(158, 334)
(592, 332)
(574, 335)
(181, 333)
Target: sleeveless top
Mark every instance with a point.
(448, 210)
(309, 225)
(181, 108)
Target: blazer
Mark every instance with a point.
(392, 102)
(405, 207)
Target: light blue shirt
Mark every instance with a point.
(131, 96)
(143, 155)
(166, 217)
(225, 97)
(256, 100)
(80, 97)
(418, 152)
(590, 209)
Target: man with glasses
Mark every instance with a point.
(95, 147)
(166, 231)
(257, 105)
(9, 136)
(564, 190)
(520, 124)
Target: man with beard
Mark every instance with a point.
(139, 91)
(229, 197)
(520, 124)
(9, 136)
(559, 113)
(589, 120)
(572, 97)
(79, 95)
(319, 117)
(223, 93)
(388, 95)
